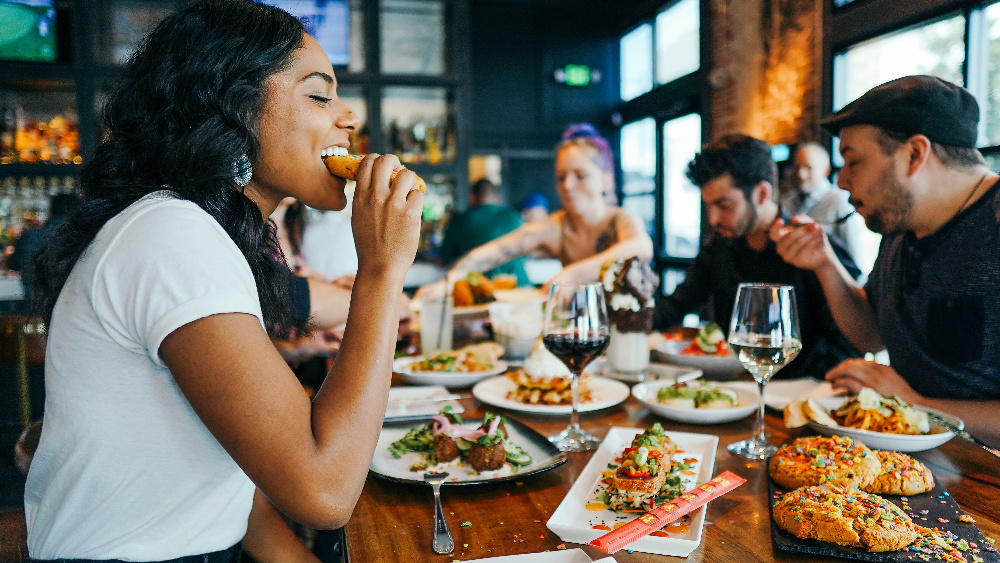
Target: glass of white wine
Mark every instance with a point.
(764, 335)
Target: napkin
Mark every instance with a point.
(563, 556)
(410, 403)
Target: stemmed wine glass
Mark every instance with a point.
(764, 335)
(576, 331)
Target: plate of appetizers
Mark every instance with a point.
(707, 351)
(696, 402)
(506, 392)
(453, 368)
(884, 423)
(495, 448)
(627, 476)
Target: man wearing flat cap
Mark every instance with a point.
(933, 297)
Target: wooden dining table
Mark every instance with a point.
(394, 521)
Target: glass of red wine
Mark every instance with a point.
(576, 331)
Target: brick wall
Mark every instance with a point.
(767, 68)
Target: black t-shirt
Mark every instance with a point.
(937, 302)
(723, 264)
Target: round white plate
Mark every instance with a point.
(520, 295)
(446, 378)
(604, 393)
(655, 371)
(719, 366)
(646, 393)
(884, 441)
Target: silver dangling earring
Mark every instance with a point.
(242, 170)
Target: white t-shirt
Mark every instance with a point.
(125, 469)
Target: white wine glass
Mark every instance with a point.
(576, 331)
(764, 335)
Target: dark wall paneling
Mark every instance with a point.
(518, 110)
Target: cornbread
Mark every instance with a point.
(846, 517)
(900, 475)
(821, 460)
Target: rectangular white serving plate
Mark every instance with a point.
(567, 556)
(572, 520)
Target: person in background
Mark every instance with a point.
(534, 208)
(583, 235)
(933, 298)
(812, 194)
(166, 404)
(737, 177)
(328, 247)
(486, 219)
(32, 240)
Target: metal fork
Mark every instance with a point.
(840, 221)
(442, 542)
(960, 432)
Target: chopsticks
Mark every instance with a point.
(661, 516)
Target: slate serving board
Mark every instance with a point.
(938, 504)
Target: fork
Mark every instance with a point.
(840, 221)
(961, 433)
(442, 542)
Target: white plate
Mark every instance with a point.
(712, 365)
(544, 456)
(655, 371)
(646, 393)
(777, 394)
(446, 378)
(520, 295)
(417, 403)
(604, 393)
(562, 556)
(573, 522)
(893, 442)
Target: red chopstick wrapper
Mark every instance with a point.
(662, 515)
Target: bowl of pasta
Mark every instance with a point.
(883, 423)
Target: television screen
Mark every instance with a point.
(28, 30)
(328, 21)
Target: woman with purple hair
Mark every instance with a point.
(585, 233)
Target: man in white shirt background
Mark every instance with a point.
(812, 194)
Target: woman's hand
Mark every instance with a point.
(853, 375)
(386, 216)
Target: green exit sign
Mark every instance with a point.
(577, 75)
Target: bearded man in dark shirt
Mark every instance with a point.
(933, 298)
(737, 178)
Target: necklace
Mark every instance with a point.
(972, 193)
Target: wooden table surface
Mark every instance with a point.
(393, 522)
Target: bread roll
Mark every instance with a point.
(347, 167)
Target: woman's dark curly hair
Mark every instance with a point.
(187, 107)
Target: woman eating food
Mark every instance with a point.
(583, 235)
(165, 401)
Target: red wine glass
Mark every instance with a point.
(576, 331)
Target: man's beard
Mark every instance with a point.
(746, 223)
(893, 215)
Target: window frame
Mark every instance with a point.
(862, 20)
(684, 95)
